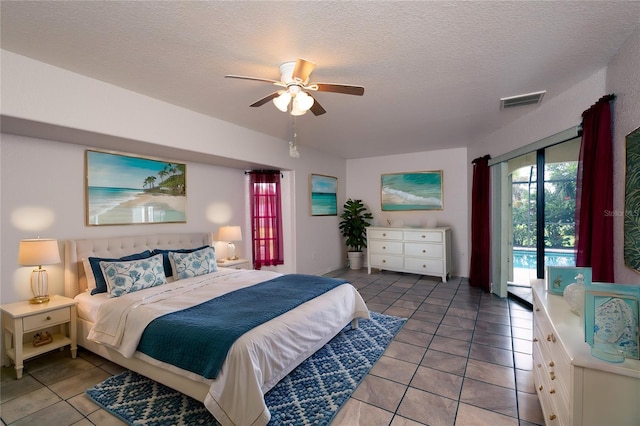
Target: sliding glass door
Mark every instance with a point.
(550, 202)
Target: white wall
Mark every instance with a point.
(623, 79)
(363, 182)
(34, 92)
(47, 178)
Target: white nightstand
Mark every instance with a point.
(235, 264)
(21, 318)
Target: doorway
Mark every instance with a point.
(550, 201)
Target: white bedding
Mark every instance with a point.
(256, 361)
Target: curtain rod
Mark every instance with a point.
(270, 172)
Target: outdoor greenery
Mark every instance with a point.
(560, 206)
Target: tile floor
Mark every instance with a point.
(462, 358)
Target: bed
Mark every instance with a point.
(256, 361)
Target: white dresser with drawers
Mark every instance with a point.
(425, 251)
(574, 387)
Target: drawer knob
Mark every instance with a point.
(384, 261)
(424, 236)
(424, 251)
(424, 266)
(552, 364)
(553, 375)
(540, 388)
(539, 365)
(537, 309)
(552, 391)
(548, 337)
(384, 235)
(384, 247)
(552, 417)
(48, 318)
(535, 339)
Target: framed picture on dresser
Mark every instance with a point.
(612, 321)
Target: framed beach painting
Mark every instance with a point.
(323, 195)
(123, 189)
(412, 191)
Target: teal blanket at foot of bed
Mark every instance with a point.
(198, 339)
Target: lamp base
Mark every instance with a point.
(39, 299)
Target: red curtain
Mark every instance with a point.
(480, 271)
(266, 218)
(594, 192)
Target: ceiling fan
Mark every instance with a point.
(294, 79)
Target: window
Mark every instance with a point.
(266, 218)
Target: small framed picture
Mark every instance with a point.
(559, 277)
(323, 195)
(611, 321)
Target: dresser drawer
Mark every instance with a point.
(431, 237)
(385, 247)
(424, 266)
(424, 250)
(384, 261)
(46, 319)
(385, 234)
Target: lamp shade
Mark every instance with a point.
(230, 233)
(282, 101)
(38, 252)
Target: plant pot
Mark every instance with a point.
(355, 259)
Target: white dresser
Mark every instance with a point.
(574, 387)
(425, 251)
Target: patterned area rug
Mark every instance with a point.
(311, 394)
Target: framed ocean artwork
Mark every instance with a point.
(323, 195)
(123, 189)
(412, 191)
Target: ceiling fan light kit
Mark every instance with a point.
(294, 98)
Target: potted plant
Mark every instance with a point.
(355, 219)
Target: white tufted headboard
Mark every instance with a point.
(75, 251)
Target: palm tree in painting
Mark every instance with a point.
(162, 173)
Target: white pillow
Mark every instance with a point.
(196, 263)
(128, 276)
(88, 272)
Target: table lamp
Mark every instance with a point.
(230, 234)
(38, 252)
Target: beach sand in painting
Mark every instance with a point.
(146, 208)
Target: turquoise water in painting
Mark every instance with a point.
(412, 191)
(323, 203)
(102, 199)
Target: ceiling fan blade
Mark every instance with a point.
(347, 89)
(316, 108)
(303, 70)
(265, 99)
(266, 80)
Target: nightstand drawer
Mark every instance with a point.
(46, 319)
(384, 234)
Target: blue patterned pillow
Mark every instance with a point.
(126, 277)
(165, 257)
(101, 283)
(193, 264)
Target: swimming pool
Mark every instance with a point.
(525, 258)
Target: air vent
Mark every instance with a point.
(520, 100)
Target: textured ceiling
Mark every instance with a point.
(433, 71)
